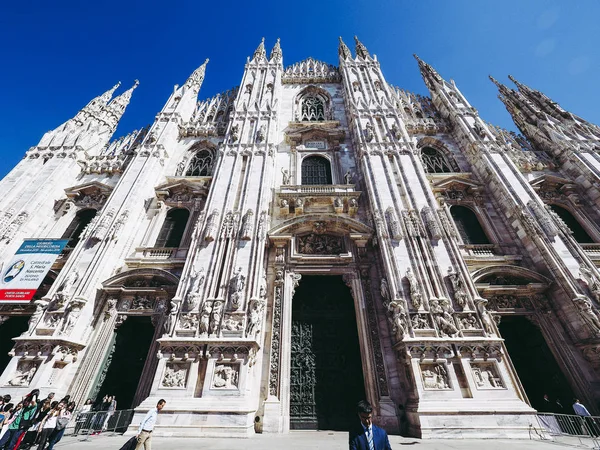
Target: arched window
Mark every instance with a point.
(468, 225)
(436, 162)
(316, 170)
(201, 164)
(313, 109)
(77, 225)
(579, 232)
(173, 228)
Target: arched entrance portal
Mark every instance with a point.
(124, 365)
(535, 364)
(326, 372)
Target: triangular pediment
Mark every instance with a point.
(456, 181)
(92, 188)
(182, 189)
(548, 179)
(330, 223)
(311, 70)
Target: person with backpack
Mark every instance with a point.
(64, 417)
(49, 424)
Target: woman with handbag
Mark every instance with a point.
(63, 420)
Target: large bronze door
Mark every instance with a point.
(326, 370)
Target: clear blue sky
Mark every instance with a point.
(58, 55)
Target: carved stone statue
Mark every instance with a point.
(592, 282)
(24, 373)
(488, 323)
(188, 322)
(226, 376)
(72, 314)
(175, 375)
(172, 316)
(196, 281)
(40, 307)
(468, 322)
(254, 318)
(286, 177)
(261, 133)
(384, 288)
(397, 318)
(215, 320)
(415, 291)
(369, 132)
(435, 377)
(205, 318)
(262, 292)
(588, 312)
(348, 177)
(460, 296)
(237, 284)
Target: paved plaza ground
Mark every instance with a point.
(302, 440)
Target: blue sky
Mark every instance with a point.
(58, 55)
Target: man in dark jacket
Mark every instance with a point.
(368, 436)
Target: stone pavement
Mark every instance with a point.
(302, 440)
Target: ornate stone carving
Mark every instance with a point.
(320, 244)
(236, 288)
(588, 312)
(435, 377)
(64, 292)
(412, 222)
(215, 320)
(543, 219)
(394, 226)
(40, 307)
(205, 318)
(24, 373)
(431, 223)
(142, 302)
(255, 316)
(384, 289)
(247, 224)
(486, 318)
(421, 322)
(397, 317)
(369, 132)
(232, 323)
(468, 322)
(101, 231)
(444, 320)
(211, 226)
(229, 226)
(12, 229)
(116, 228)
(172, 317)
(175, 375)
(415, 290)
(348, 177)
(460, 295)
(72, 314)
(188, 321)
(261, 134)
(486, 376)
(226, 376)
(287, 178)
(592, 281)
(276, 338)
(193, 296)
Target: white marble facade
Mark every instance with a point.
(220, 299)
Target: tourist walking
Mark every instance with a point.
(367, 436)
(588, 421)
(144, 436)
(49, 424)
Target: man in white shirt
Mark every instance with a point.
(144, 436)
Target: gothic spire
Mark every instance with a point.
(99, 102)
(260, 51)
(117, 106)
(361, 50)
(343, 50)
(429, 74)
(197, 77)
(504, 90)
(276, 53)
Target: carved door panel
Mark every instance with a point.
(326, 370)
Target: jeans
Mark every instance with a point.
(55, 437)
(9, 440)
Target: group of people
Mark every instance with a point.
(586, 425)
(33, 421)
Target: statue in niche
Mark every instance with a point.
(384, 288)
(24, 373)
(488, 323)
(215, 321)
(415, 290)
(254, 317)
(435, 377)
(40, 307)
(171, 317)
(459, 291)
(205, 318)
(140, 302)
(226, 376)
(588, 312)
(287, 178)
(369, 132)
(348, 177)
(260, 134)
(235, 129)
(395, 131)
(592, 282)
(337, 202)
(196, 282)
(237, 284)
(262, 292)
(72, 314)
(299, 203)
(65, 290)
(397, 318)
(283, 203)
(444, 319)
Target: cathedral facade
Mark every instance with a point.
(265, 258)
